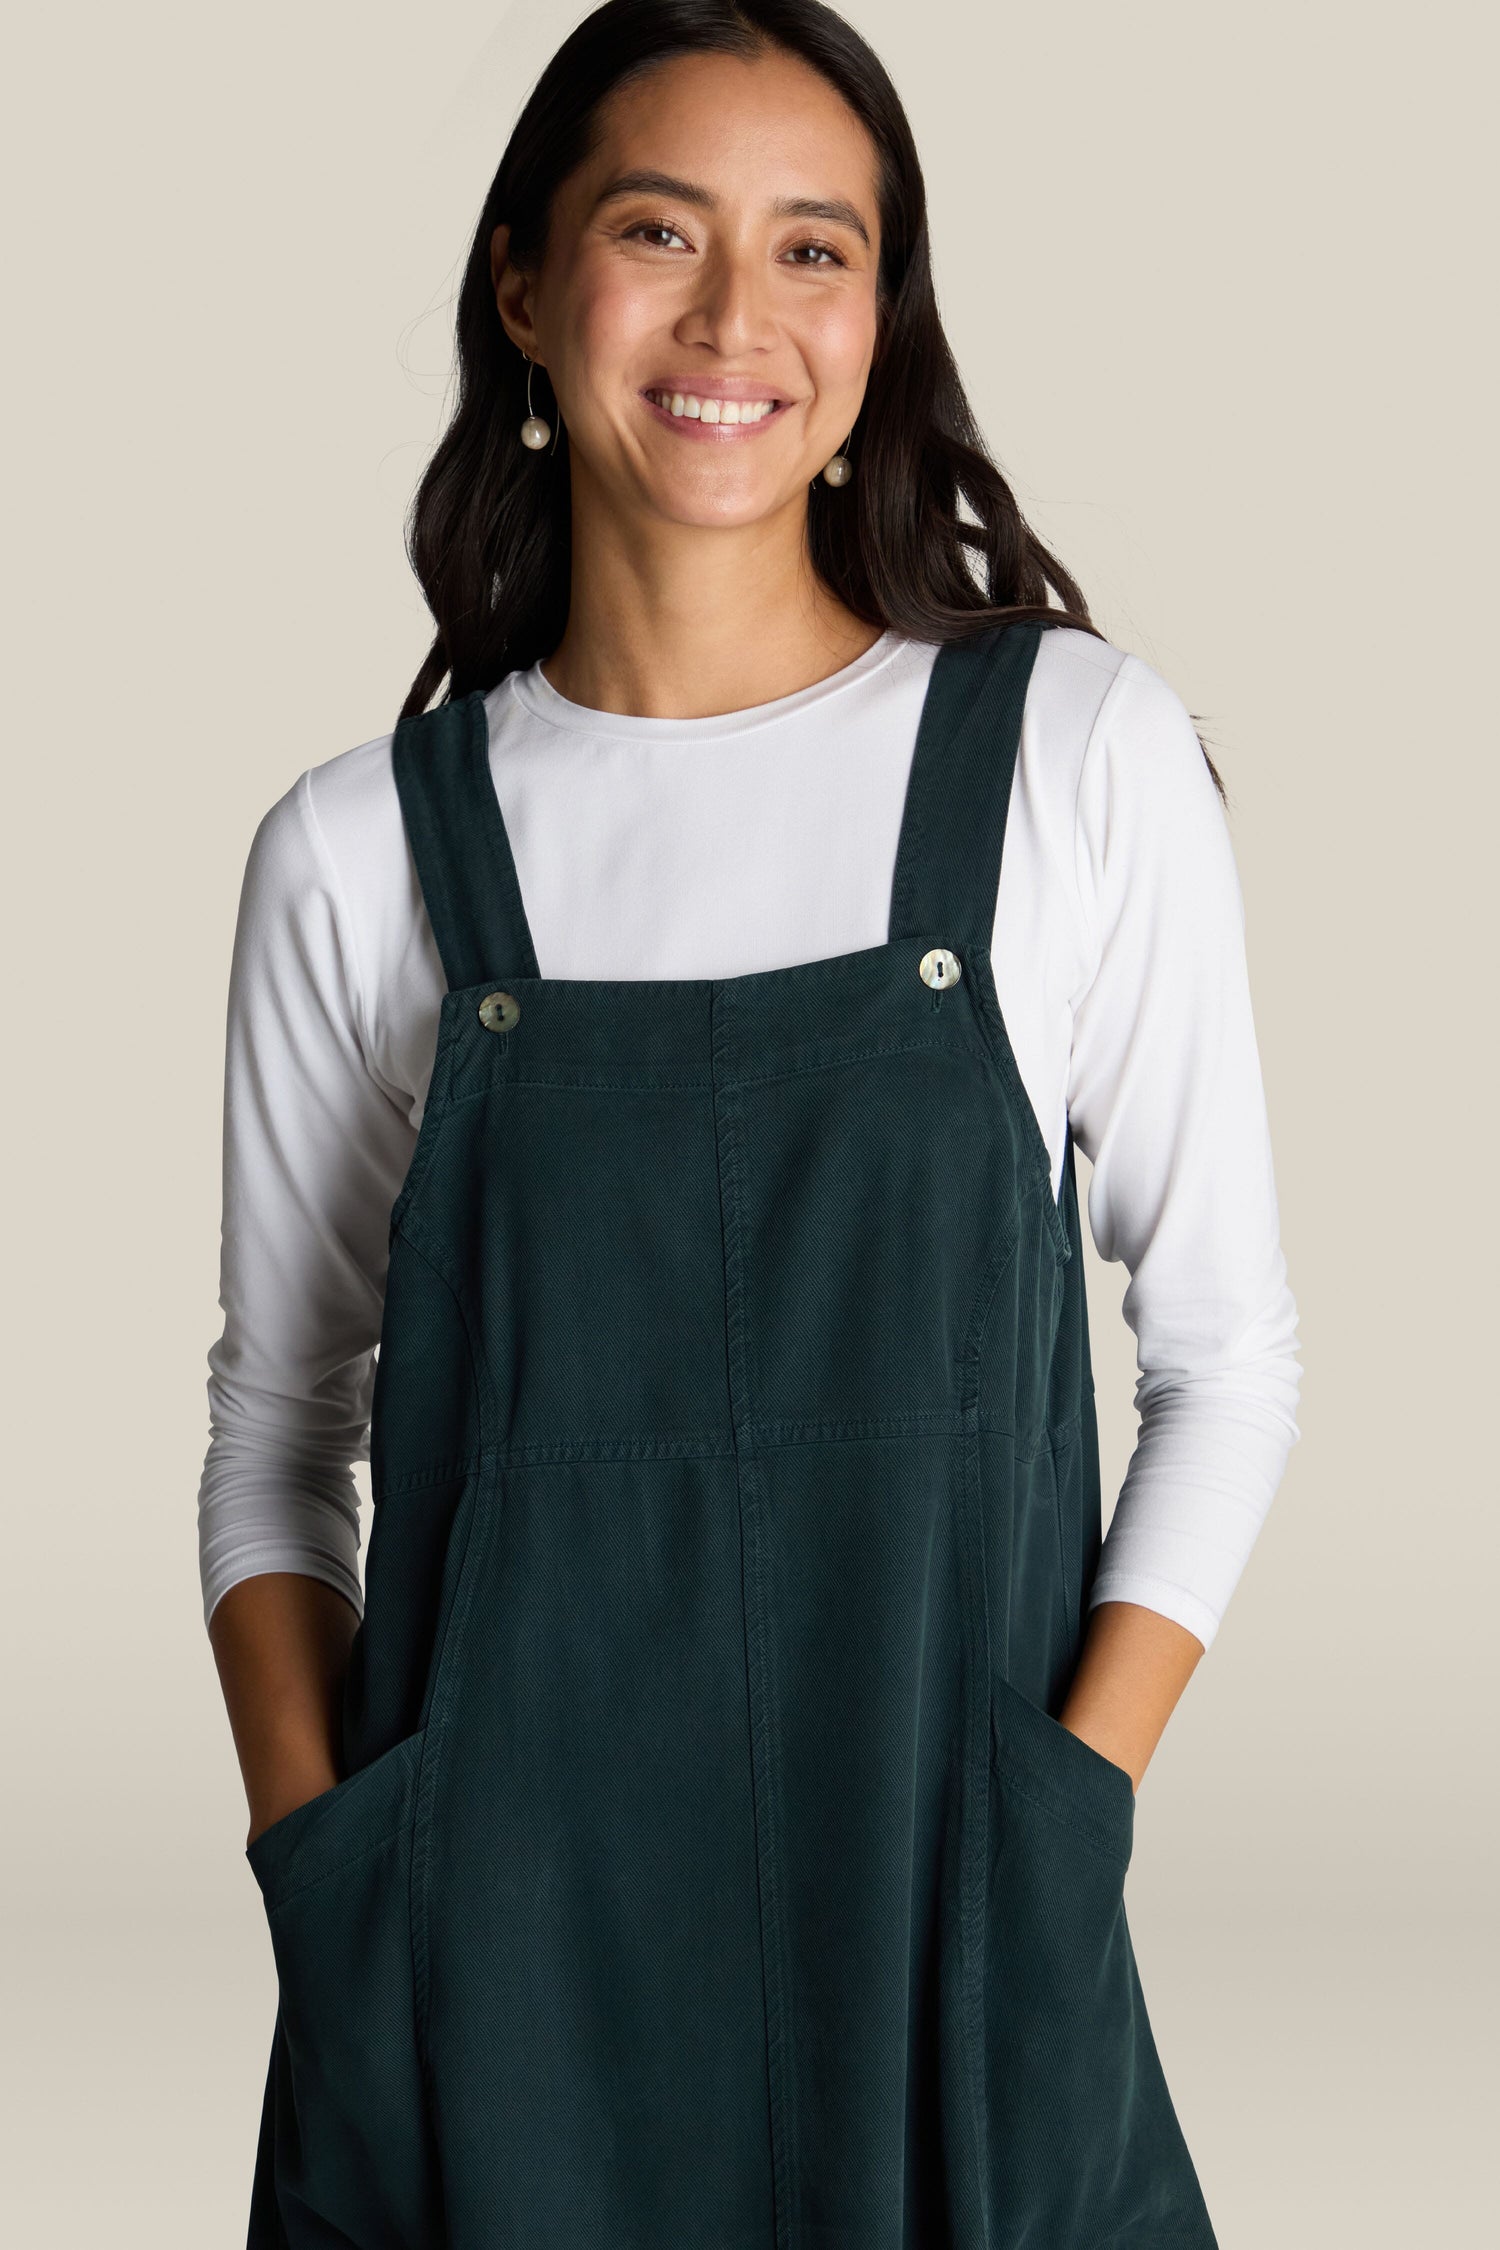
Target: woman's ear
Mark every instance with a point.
(499, 249)
(512, 294)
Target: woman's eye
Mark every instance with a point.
(661, 227)
(652, 226)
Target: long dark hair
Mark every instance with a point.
(489, 532)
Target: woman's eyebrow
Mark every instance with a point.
(647, 182)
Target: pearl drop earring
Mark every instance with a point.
(840, 469)
(534, 431)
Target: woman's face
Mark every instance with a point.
(693, 285)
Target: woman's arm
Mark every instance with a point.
(1166, 1100)
(1130, 1673)
(281, 1643)
(315, 1147)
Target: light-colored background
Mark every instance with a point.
(1216, 280)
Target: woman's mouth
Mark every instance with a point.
(695, 415)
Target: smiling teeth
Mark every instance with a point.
(713, 409)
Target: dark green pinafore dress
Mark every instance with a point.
(710, 1871)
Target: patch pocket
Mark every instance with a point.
(1062, 2027)
(352, 2150)
(1040, 1759)
(356, 1814)
(1083, 2142)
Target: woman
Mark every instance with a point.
(708, 1826)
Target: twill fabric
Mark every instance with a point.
(710, 1869)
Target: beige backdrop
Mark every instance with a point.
(1216, 280)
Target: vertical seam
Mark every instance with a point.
(974, 1810)
(435, 1110)
(478, 1523)
(759, 1670)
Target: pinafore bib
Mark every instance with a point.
(710, 1870)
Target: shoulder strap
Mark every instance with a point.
(457, 836)
(958, 789)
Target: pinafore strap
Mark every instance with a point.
(959, 787)
(457, 835)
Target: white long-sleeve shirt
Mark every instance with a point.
(709, 847)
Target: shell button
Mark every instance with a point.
(498, 1011)
(940, 967)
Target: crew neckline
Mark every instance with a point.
(536, 695)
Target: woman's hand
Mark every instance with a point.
(292, 1785)
(1133, 1668)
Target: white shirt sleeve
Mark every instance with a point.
(314, 1150)
(1166, 1100)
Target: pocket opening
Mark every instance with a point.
(355, 1815)
(1057, 1770)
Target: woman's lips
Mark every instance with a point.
(692, 426)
